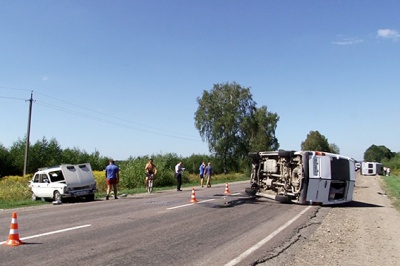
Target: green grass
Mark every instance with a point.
(391, 184)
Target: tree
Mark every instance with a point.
(377, 154)
(334, 148)
(227, 118)
(263, 134)
(315, 142)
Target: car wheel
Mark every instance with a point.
(90, 197)
(57, 196)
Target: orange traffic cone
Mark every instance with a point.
(13, 237)
(227, 189)
(193, 199)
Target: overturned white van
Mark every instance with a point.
(64, 181)
(304, 177)
(371, 168)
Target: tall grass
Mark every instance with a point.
(391, 184)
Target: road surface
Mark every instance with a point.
(162, 228)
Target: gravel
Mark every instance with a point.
(363, 232)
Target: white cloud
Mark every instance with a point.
(388, 34)
(348, 41)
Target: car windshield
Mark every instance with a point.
(56, 176)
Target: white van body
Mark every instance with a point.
(371, 168)
(304, 177)
(64, 181)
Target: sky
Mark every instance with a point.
(123, 77)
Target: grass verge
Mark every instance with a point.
(391, 184)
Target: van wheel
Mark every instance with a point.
(57, 196)
(282, 199)
(34, 198)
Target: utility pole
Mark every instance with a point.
(28, 133)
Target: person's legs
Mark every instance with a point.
(108, 189)
(147, 182)
(201, 180)
(179, 179)
(115, 191)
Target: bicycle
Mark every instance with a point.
(150, 181)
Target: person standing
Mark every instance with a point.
(112, 175)
(178, 175)
(388, 171)
(150, 170)
(209, 173)
(201, 169)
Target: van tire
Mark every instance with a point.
(57, 196)
(282, 199)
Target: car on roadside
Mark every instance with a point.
(64, 181)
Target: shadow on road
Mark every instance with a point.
(355, 204)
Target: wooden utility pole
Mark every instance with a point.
(28, 133)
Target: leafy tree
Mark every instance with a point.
(17, 156)
(227, 118)
(315, 142)
(334, 148)
(263, 134)
(377, 154)
(6, 165)
(44, 154)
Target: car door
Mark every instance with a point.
(41, 186)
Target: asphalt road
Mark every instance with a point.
(162, 228)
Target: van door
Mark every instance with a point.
(41, 186)
(319, 179)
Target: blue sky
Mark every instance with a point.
(122, 77)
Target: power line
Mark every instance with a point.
(151, 129)
(109, 121)
(12, 98)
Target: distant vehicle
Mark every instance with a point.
(64, 181)
(357, 166)
(304, 177)
(371, 168)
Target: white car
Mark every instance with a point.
(64, 181)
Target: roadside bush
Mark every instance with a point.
(14, 188)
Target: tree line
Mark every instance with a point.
(227, 119)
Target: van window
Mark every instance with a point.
(56, 176)
(340, 169)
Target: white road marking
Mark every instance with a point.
(190, 204)
(265, 240)
(52, 233)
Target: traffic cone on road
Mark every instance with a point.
(227, 189)
(193, 199)
(13, 237)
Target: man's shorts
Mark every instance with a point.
(112, 181)
(201, 176)
(148, 174)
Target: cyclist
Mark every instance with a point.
(151, 171)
